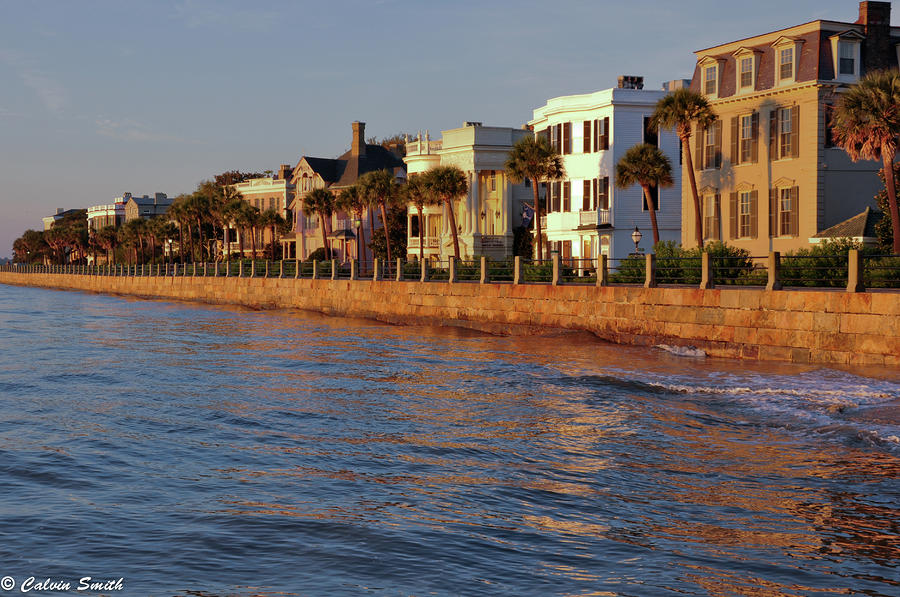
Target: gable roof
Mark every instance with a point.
(861, 225)
(346, 170)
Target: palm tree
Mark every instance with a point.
(867, 126)
(447, 184)
(418, 193)
(232, 200)
(249, 221)
(679, 110)
(178, 212)
(647, 166)
(534, 159)
(380, 188)
(352, 201)
(321, 203)
(108, 238)
(274, 221)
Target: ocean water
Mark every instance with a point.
(197, 450)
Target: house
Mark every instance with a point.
(274, 193)
(335, 175)
(859, 229)
(61, 213)
(768, 174)
(110, 214)
(492, 208)
(586, 215)
(147, 207)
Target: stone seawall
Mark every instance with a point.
(802, 326)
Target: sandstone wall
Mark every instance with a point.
(818, 326)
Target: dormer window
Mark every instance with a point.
(711, 80)
(746, 72)
(845, 51)
(786, 64)
(746, 62)
(787, 59)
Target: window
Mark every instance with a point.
(744, 215)
(847, 58)
(555, 192)
(783, 211)
(554, 137)
(651, 136)
(746, 72)
(711, 217)
(747, 138)
(567, 196)
(784, 138)
(492, 182)
(577, 137)
(709, 147)
(602, 194)
(828, 142)
(601, 134)
(786, 64)
(710, 80)
(586, 204)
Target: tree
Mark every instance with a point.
(235, 176)
(867, 126)
(232, 200)
(29, 247)
(275, 222)
(381, 189)
(321, 203)
(534, 159)
(180, 214)
(418, 193)
(352, 201)
(247, 219)
(447, 184)
(108, 239)
(679, 110)
(396, 218)
(647, 166)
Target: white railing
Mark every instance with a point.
(593, 217)
(431, 242)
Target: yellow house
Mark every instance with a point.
(276, 194)
(768, 174)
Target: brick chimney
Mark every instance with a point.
(358, 147)
(875, 17)
(284, 172)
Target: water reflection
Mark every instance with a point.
(331, 456)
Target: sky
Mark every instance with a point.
(99, 98)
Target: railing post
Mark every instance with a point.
(241, 268)
(423, 276)
(315, 272)
(334, 269)
(253, 268)
(650, 277)
(485, 275)
(267, 268)
(855, 271)
(452, 277)
(773, 264)
(281, 268)
(602, 270)
(399, 276)
(554, 280)
(517, 270)
(354, 274)
(296, 268)
(706, 273)
(376, 269)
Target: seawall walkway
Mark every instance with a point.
(808, 326)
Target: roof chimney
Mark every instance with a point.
(875, 17)
(631, 82)
(358, 147)
(284, 172)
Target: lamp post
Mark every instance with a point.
(636, 236)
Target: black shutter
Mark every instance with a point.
(718, 144)
(698, 150)
(773, 135)
(717, 218)
(795, 132)
(735, 140)
(586, 141)
(586, 199)
(795, 211)
(604, 141)
(754, 143)
(754, 214)
(773, 212)
(732, 215)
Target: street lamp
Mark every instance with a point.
(636, 236)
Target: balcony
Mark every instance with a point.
(423, 147)
(593, 218)
(431, 242)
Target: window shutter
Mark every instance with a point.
(586, 199)
(735, 140)
(604, 188)
(698, 153)
(559, 146)
(732, 215)
(567, 196)
(754, 214)
(754, 143)
(718, 144)
(586, 141)
(795, 132)
(596, 135)
(594, 195)
(717, 218)
(567, 138)
(604, 141)
(773, 135)
(773, 212)
(795, 211)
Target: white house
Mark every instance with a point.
(586, 214)
(493, 207)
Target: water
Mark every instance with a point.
(193, 450)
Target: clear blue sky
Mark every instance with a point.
(101, 98)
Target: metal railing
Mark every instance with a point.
(855, 271)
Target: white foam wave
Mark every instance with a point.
(682, 351)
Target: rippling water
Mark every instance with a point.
(194, 450)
